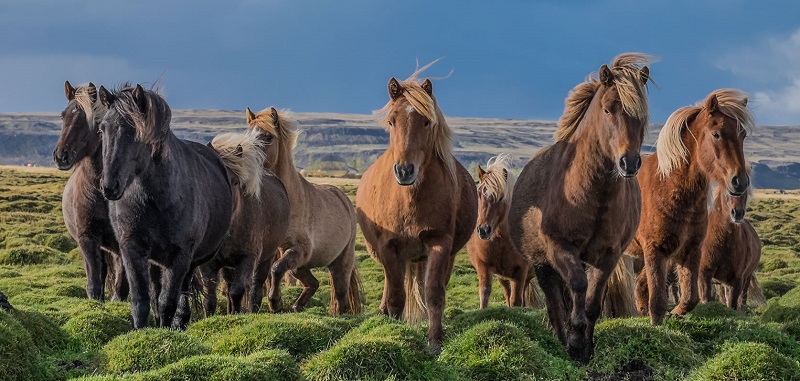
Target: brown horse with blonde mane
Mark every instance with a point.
(731, 250)
(322, 223)
(490, 248)
(698, 144)
(576, 203)
(417, 206)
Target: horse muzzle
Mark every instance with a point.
(484, 232)
(405, 174)
(737, 215)
(629, 165)
(112, 189)
(62, 159)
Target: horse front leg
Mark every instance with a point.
(95, 267)
(393, 301)
(183, 311)
(172, 288)
(553, 287)
(121, 290)
(484, 285)
(515, 294)
(687, 277)
(310, 287)
(506, 285)
(261, 274)
(440, 265)
(135, 260)
(288, 261)
(655, 273)
(735, 292)
(570, 268)
(705, 286)
(598, 284)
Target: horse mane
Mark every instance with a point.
(670, 148)
(83, 96)
(494, 182)
(627, 81)
(286, 129)
(152, 127)
(441, 137)
(243, 155)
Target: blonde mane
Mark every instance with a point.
(285, 130)
(627, 81)
(242, 154)
(83, 96)
(494, 182)
(440, 135)
(671, 151)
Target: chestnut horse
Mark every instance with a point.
(576, 203)
(731, 250)
(490, 248)
(322, 223)
(258, 226)
(84, 208)
(169, 202)
(417, 206)
(698, 144)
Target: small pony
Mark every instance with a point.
(731, 250)
(259, 224)
(490, 248)
(84, 208)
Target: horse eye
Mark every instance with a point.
(427, 123)
(715, 135)
(391, 124)
(605, 110)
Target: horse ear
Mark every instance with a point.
(712, 103)
(273, 113)
(644, 75)
(69, 91)
(606, 76)
(428, 86)
(239, 151)
(481, 173)
(209, 145)
(106, 98)
(744, 102)
(395, 89)
(505, 173)
(139, 97)
(250, 116)
(92, 92)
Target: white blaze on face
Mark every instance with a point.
(410, 109)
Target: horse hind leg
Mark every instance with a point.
(735, 292)
(288, 261)
(345, 283)
(687, 276)
(260, 276)
(310, 287)
(210, 280)
(553, 288)
(120, 284)
(506, 285)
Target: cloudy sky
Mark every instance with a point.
(509, 58)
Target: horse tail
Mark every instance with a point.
(619, 298)
(755, 294)
(415, 310)
(197, 293)
(532, 295)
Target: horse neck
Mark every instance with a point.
(92, 166)
(287, 172)
(592, 167)
(689, 176)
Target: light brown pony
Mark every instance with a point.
(490, 248)
(697, 144)
(731, 250)
(576, 203)
(322, 223)
(258, 225)
(417, 206)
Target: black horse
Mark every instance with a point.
(170, 202)
(84, 208)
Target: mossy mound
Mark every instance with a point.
(791, 328)
(713, 310)
(94, 328)
(753, 332)
(68, 290)
(31, 255)
(46, 335)
(532, 321)
(299, 334)
(748, 361)
(777, 286)
(774, 264)
(148, 349)
(60, 242)
(18, 352)
(621, 342)
(776, 311)
(212, 329)
(496, 350)
(379, 349)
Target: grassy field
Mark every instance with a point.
(55, 333)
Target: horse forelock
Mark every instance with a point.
(671, 151)
(152, 126)
(248, 165)
(286, 130)
(83, 97)
(626, 69)
(498, 180)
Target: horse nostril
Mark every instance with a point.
(735, 182)
(623, 163)
(638, 162)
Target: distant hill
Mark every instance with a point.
(359, 139)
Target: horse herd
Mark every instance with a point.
(156, 215)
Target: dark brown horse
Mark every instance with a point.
(417, 206)
(731, 250)
(84, 208)
(490, 248)
(576, 204)
(259, 224)
(322, 223)
(698, 144)
(170, 202)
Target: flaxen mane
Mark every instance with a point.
(152, 126)
(83, 96)
(285, 130)
(498, 181)
(242, 154)
(440, 134)
(627, 81)
(671, 151)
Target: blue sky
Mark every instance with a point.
(510, 59)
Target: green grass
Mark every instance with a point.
(57, 334)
